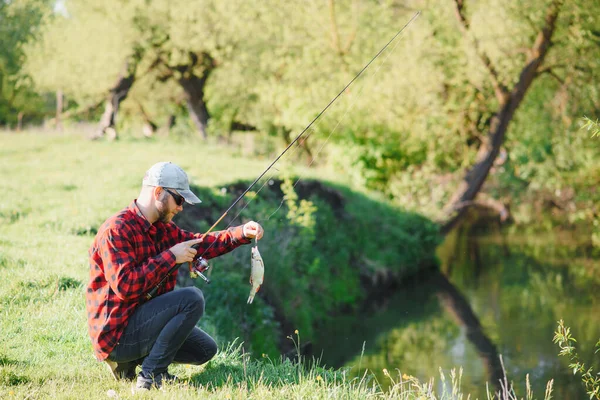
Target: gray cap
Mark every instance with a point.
(169, 175)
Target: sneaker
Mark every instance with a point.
(121, 371)
(157, 381)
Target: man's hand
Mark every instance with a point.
(184, 252)
(253, 230)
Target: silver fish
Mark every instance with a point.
(257, 273)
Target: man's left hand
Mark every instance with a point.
(253, 230)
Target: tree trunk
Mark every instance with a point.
(171, 120)
(509, 101)
(59, 109)
(20, 121)
(194, 97)
(303, 143)
(192, 78)
(149, 128)
(116, 95)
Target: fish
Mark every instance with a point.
(257, 273)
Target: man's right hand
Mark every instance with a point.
(184, 252)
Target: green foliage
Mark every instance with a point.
(19, 21)
(594, 128)
(591, 126)
(300, 213)
(228, 316)
(82, 49)
(566, 342)
(158, 36)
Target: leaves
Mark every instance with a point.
(563, 338)
(591, 126)
(19, 23)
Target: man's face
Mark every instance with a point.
(167, 207)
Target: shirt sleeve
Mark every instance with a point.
(216, 243)
(127, 278)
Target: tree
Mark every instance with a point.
(93, 52)
(508, 99)
(19, 23)
(303, 55)
(81, 51)
(116, 95)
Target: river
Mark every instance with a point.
(498, 295)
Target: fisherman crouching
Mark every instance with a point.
(131, 254)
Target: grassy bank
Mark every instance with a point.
(58, 188)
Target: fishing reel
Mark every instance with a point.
(197, 268)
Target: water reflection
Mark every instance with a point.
(457, 305)
(495, 295)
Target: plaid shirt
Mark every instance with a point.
(128, 258)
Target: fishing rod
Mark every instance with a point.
(201, 265)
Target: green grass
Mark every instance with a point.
(56, 190)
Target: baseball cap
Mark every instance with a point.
(169, 175)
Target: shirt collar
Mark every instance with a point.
(133, 207)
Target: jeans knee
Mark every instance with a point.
(193, 299)
(208, 349)
(211, 350)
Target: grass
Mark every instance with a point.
(57, 189)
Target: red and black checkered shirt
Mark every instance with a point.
(128, 258)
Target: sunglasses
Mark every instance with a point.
(177, 197)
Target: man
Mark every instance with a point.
(132, 252)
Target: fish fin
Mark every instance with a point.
(250, 299)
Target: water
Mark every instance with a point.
(499, 294)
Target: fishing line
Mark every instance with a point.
(339, 121)
(309, 126)
(153, 292)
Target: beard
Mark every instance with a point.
(164, 215)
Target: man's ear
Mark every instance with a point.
(157, 191)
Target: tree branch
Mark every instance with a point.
(352, 35)
(553, 74)
(538, 53)
(78, 111)
(499, 88)
(335, 37)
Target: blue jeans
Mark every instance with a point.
(163, 331)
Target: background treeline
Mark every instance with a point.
(247, 72)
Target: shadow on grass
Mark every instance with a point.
(6, 262)
(41, 290)
(11, 378)
(232, 368)
(8, 372)
(218, 374)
